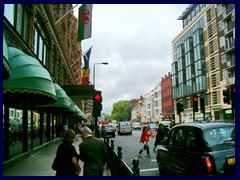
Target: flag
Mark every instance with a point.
(85, 76)
(85, 69)
(86, 58)
(84, 22)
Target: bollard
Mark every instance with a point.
(112, 144)
(119, 152)
(135, 169)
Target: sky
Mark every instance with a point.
(136, 41)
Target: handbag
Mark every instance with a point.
(145, 146)
(56, 163)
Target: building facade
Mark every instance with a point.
(197, 61)
(38, 39)
(167, 99)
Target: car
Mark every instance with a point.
(152, 126)
(107, 130)
(136, 126)
(166, 124)
(202, 149)
(124, 127)
(114, 126)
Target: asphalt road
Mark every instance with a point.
(130, 147)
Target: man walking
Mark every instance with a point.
(93, 153)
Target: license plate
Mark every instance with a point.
(231, 160)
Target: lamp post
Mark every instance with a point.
(97, 133)
(105, 63)
(210, 96)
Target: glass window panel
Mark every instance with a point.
(40, 48)
(9, 12)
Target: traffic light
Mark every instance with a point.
(97, 104)
(226, 94)
(202, 104)
(233, 95)
(195, 103)
(180, 108)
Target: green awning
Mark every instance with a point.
(63, 102)
(6, 65)
(29, 81)
(75, 112)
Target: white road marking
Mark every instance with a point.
(144, 170)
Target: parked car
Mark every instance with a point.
(198, 149)
(107, 130)
(136, 126)
(124, 127)
(152, 128)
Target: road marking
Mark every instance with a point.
(144, 170)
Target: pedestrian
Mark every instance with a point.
(145, 140)
(93, 153)
(159, 136)
(66, 161)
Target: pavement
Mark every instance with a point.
(40, 163)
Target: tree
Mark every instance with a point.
(121, 111)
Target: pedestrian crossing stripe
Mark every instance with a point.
(152, 169)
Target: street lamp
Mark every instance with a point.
(105, 63)
(210, 94)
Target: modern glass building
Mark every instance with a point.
(196, 67)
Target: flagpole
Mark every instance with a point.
(65, 14)
(75, 62)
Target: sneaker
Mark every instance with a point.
(148, 155)
(139, 155)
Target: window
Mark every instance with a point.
(18, 16)
(176, 139)
(222, 135)
(41, 46)
(191, 141)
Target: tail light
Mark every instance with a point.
(208, 164)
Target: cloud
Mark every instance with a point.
(136, 41)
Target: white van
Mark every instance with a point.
(124, 127)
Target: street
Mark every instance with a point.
(130, 147)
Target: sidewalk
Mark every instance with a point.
(40, 163)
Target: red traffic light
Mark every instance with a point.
(97, 97)
(195, 99)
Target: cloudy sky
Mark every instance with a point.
(135, 40)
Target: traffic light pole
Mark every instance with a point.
(193, 115)
(180, 118)
(97, 132)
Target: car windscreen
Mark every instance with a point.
(153, 126)
(108, 127)
(220, 135)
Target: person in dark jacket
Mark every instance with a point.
(159, 137)
(67, 156)
(93, 153)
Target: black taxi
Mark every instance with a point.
(198, 149)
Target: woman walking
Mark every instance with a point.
(145, 140)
